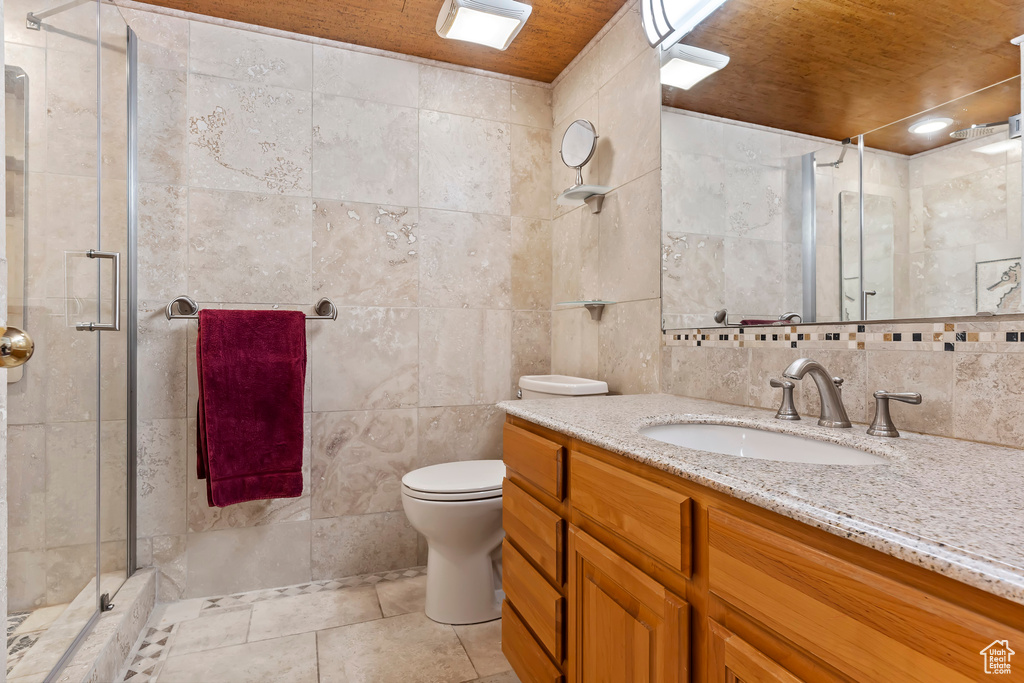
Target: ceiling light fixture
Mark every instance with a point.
(929, 126)
(494, 23)
(666, 21)
(683, 66)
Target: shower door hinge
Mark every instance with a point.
(105, 604)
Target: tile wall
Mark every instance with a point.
(276, 171)
(612, 256)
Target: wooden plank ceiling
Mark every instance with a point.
(555, 33)
(838, 68)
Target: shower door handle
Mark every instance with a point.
(116, 325)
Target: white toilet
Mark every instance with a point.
(457, 507)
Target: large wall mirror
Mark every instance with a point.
(917, 218)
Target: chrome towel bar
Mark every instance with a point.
(186, 308)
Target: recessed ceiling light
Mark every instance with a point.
(683, 66)
(929, 126)
(666, 21)
(1000, 147)
(494, 23)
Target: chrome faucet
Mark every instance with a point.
(833, 413)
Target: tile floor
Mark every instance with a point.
(365, 629)
(25, 628)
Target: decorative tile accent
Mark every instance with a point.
(968, 337)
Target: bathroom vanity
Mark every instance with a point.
(630, 559)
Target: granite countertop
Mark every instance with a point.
(954, 507)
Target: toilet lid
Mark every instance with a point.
(470, 476)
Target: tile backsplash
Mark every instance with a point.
(967, 372)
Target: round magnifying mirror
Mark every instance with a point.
(578, 146)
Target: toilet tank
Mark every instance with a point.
(559, 386)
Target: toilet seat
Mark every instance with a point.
(456, 481)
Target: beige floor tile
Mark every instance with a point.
(171, 613)
(405, 649)
(313, 612)
(402, 596)
(281, 660)
(41, 619)
(483, 645)
(504, 677)
(210, 631)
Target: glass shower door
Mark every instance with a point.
(67, 407)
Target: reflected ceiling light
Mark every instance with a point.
(929, 126)
(494, 23)
(1000, 147)
(666, 21)
(683, 66)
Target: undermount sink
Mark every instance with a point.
(745, 442)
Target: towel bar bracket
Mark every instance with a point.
(186, 308)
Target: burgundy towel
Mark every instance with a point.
(252, 369)
(754, 323)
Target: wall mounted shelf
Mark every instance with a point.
(595, 307)
(591, 195)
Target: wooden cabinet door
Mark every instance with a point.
(624, 627)
(733, 660)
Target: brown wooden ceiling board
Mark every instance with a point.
(554, 34)
(838, 68)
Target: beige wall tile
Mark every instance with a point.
(26, 580)
(464, 356)
(562, 176)
(248, 248)
(576, 257)
(170, 557)
(466, 94)
(631, 121)
(26, 488)
(275, 555)
(574, 343)
(366, 254)
(346, 546)
(464, 164)
(577, 85)
(531, 172)
(162, 349)
(164, 467)
(382, 137)
(531, 264)
(630, 237)
(249, 56)
(71, 112)
(163, 40)
(162, 263)
(254, 138)
(630, 341)
(465, 260)
(531, 105)
(727, 375)
(366, 359)
(684, 370)
(459, 433)
(531, 344)
(70, 488)
(623, 43)
(365, 76)
(359, 459)
(163, 125)
(987, 397)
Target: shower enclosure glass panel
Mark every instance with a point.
(68, 448)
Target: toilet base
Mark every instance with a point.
(464, 592)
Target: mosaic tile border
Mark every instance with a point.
(968, 337)
(149, 653)
(18, 645)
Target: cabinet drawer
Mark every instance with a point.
(535, 529)
(522, 651)
(540, 605)
(538, 460)
(868, 626)
(653, 518)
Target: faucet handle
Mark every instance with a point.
(787, 411)
(882, 424)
